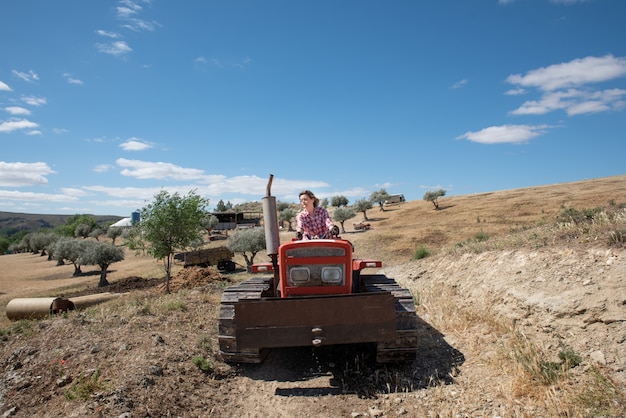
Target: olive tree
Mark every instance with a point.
(287, 215)
(343, 214)
(103, 255)
(246, 241)
(71, 249)
(339, 201)
(432, 196)
(114, 233)
(210, 221)
(363, 205)
(170, 223)
(380, 197)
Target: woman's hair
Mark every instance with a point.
(309, 193)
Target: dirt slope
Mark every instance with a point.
(488, 317)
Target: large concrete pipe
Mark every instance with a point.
(31, 308)
(82, 302)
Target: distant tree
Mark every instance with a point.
(287, 215)
(343, 214)
(338, 201)
(50, 243)
(324, 202)
(246, 241)
(380, 197)
(40, 241)
(103, 255)
(83, 230)
(209, 222)
(220, 207)
(114, 233)
(69, 228)
(96, 233)
(433, 196)
(71, 249)
(168, 224)
(5, 243)
(363, 205)
(281, 206)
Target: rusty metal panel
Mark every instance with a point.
(328, 320)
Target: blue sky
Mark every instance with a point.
(105, 103)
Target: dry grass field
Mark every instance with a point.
(523, 316)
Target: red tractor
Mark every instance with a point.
(318, 295)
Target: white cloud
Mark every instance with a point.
(515, 92)
(505, 134)
(108, 34)
(34, 132)
(572, 74)
(114, 48)
(35, 197)
(34, 101)
(157, 170)
(4, 87)
(574, 102)
(103, 168)
(24, 174)
(71, 191)
(459, 84)
(30, 76)
(16, 124)
(17, 110)
(135, 144)
(72, 80)
(568, 86)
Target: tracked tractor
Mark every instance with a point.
(314, 293)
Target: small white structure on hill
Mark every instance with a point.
(122, 223)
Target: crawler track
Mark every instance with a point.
(404, 347)
(252, 289)
(401, 349)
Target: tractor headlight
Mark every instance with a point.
(332, 274)
(298, 275)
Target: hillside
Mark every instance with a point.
(521, 316)
(12, 222)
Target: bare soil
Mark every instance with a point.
(495, 318)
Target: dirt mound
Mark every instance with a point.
(188, 278)
(192, 277)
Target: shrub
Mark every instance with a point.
(420, 253)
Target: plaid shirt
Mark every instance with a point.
(316, 226)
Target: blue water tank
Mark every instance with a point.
(134, 218)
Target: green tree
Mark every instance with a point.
(69, 228)
(343, 214)
(96, 233)
(83, 230)
(4, 245)
(223, 207)
(363, 205)
(338, 201)
(246, 241)
(380, 197)
(287, 215)
(324, 202)
(281, 206)
(209, 222)
(40, 241)
(70, 249)
(432, 196)
(170, 223)
(114, 233)
(103, 255)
